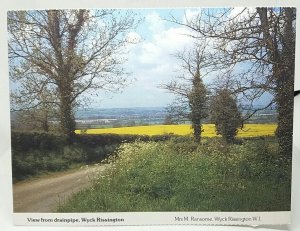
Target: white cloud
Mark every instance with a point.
(148, 53)
(174, 38)
(162, 69)
(156, 23)
(163, 45)
(241, 12)
(133, 37)
(151, 63)
(191, 15)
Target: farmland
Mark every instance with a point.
(249, 130)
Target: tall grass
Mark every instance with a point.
(179, 175)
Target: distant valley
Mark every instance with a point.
(136, 116)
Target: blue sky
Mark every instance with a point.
(150, 61)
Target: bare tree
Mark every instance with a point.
(71, 53)
(35, 115)
(257, 45)
(192, 95)
(35, 119)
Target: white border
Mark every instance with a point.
(5, 162)
(153, 218)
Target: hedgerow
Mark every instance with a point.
(34, 153)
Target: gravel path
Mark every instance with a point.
(44, 195)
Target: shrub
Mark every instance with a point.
(25, 141)
(74, 154)
(225, 114)
(107, 139)
(37, 152)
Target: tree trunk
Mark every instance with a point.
(283, 73)
(285, 101)
(45, 124)
(67, 118)
(197, 131)
(285, 89)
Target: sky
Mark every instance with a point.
(150, 62)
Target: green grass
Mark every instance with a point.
(179, 175)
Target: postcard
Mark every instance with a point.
(152, 116)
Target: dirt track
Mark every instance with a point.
(44, 195)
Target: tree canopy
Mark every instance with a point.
(70, 53)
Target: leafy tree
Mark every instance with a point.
(197, 102)
(279, 35)
(71, 53)
(225, 114)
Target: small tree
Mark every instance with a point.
(197, 102)
(225, 115)
(29, 120)
(192, 95)
(168, 120)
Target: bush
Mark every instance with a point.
(25, 141)
(225, 114)
(110, 139)
(74, 154)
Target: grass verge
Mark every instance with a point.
(180, 175)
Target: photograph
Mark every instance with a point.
(152, 110)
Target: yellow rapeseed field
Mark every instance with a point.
(249, 130)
